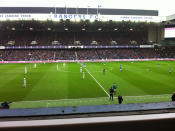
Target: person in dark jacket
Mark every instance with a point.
(5, 105)
(111, 92)
(120, 99)
(173, 97)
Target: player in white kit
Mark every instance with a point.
(83, 75)
(170, 70)
(57, 67)
(24, 82)
(25, 70)
(80, 69)
(35, 65)
(64, 64)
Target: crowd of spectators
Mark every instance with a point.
(84, 54)
(65, 55)
(87, 54)
(24, 38)
(26, 55)
(166, 52)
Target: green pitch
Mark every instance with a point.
(48, 87)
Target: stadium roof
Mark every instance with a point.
(171, 17)
(165, 8)
(64, 10)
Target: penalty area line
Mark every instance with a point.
(97, 82)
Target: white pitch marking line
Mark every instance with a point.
(59, 100)
(93, 98)
(97, 82)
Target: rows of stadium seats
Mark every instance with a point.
(85, 54)
(69, 38)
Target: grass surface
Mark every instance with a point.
(138, 82)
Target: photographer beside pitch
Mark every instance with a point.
(120, 99)
(5, 105)
(173, 97)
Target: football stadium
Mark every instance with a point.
(68, 58)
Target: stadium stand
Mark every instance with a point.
(44, 33)
(35, 40)
(129, 36)
(88, 54)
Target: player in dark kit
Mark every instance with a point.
(111, 91)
